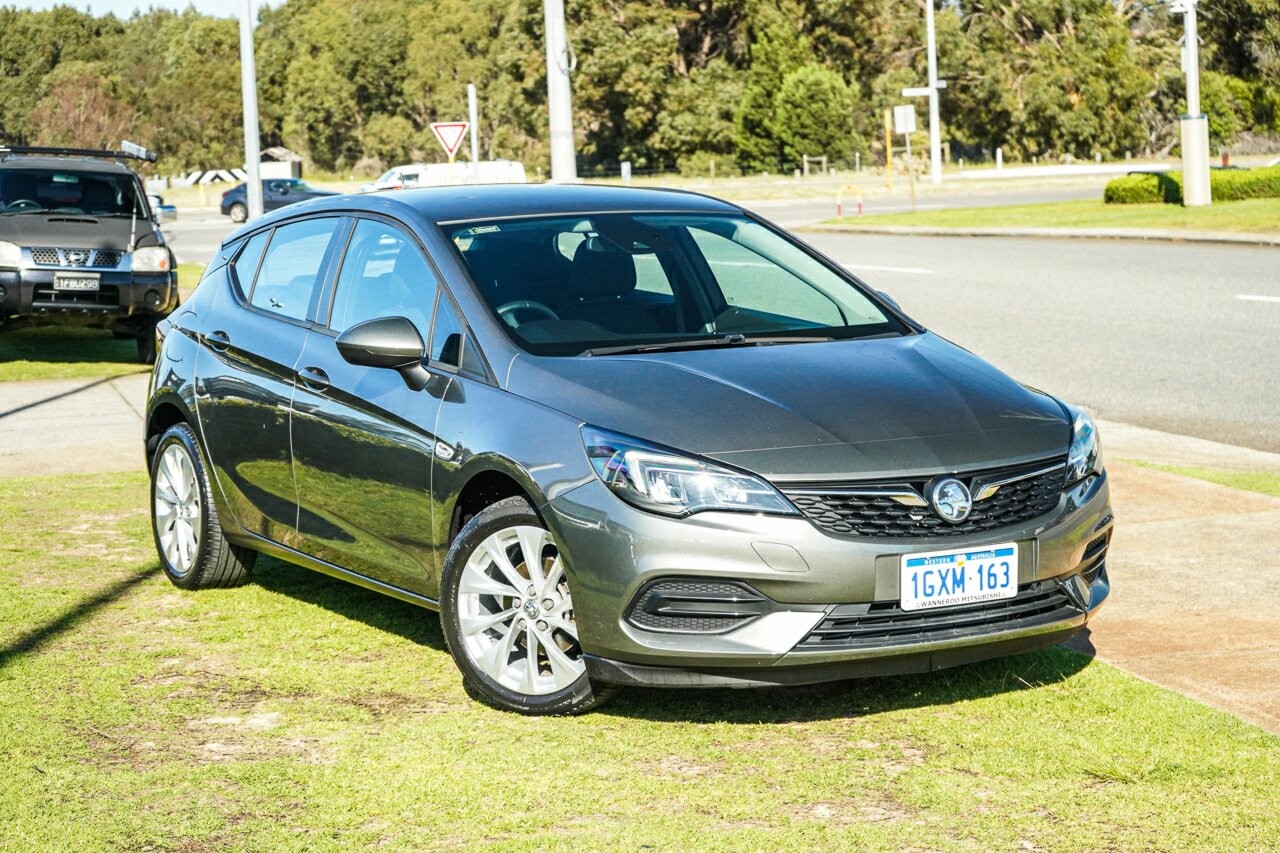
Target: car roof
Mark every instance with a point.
(495, 201)
(63, 164)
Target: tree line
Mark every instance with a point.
(751, 84)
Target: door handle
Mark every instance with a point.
(314, 378)
(218, 340)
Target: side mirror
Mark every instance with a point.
(887, 298)
(390, 342)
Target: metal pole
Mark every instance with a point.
(475, 147)
(935, 122)
(559, 103)
(249, 93)
(1196, 190)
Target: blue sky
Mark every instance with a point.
(125, 8)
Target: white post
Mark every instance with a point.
(249, 93)
(935, 123)
(1195, 125)
(475, 147)
(559, 104)
(999, 159)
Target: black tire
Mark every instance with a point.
(577, 698)
(238, 212)
(147, 343)
(216, 562)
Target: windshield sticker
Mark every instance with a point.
(484, 229)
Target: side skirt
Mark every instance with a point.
(275, 549)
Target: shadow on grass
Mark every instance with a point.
(842, 699)
(66, 344)
(71, 617)
(413, 623)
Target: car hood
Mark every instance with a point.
(908, 406)
(73, 230)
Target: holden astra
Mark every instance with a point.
(615, 437)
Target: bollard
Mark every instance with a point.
(999, 159)
(1226, 159)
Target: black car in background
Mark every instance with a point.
(80, 244)
(276, 193)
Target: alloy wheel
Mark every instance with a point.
(178, 510)
(515, 612)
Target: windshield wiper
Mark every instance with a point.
(700, 343)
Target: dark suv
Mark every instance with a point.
(78, 244)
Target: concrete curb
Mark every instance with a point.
(1245, 239)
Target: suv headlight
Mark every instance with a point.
(661, 480)
(151, 259)
(1085, 455)
(10, 254)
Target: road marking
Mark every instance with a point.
(1249, 297)
(873, 268)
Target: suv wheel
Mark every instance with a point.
(184, 520)
(507, 615)
(239, 212)
(147, 343)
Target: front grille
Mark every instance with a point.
(859, 626)
(50, 256)
(690, 606)
(867, 509)
(107, 296)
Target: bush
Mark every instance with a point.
(1224, 185)
(1238, 184)
(698, 165)
(1146, 188)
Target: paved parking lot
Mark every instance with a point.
(1192, 607)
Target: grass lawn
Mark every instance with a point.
(1263, 482)
(299, 713)
(68, 352)
(1254, 215)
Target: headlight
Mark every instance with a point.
(1085, 455)
(660, 480)
(10, 254)
(151, 259)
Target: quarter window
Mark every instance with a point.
(383, 275)
(291, 266)
(246, 263)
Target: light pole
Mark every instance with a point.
(935, 123)
(1194, 124)
(249, 93)
(559, 105)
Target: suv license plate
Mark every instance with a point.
(75, 282)
(967, 576)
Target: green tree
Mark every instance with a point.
(777, 49)
(813, 115)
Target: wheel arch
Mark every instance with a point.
(490, 480)
(164, 412)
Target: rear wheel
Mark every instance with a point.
(239, 212)
(508, 617)
(184, 520)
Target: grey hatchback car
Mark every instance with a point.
(615, 437)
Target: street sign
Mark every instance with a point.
(450, 134)
(904, 119)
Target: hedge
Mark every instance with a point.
(1224, 185)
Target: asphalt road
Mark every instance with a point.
(1183, 338)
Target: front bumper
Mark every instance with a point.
(822, 594)
(121, 295)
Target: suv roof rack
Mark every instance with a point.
(128, 151)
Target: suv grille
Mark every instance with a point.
(859, 626)
(50, 256)
(107, 296)
(870, 509)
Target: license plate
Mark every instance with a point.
(966, 576)
(75, 282)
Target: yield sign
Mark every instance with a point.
(450, 134)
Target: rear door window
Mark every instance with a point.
(291, 267)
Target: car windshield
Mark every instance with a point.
(615, 283)
(58, 191)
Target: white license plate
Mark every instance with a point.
(75, 282)
(966, 576)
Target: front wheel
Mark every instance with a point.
(147, 343)
(508, 617)
(184, 520)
